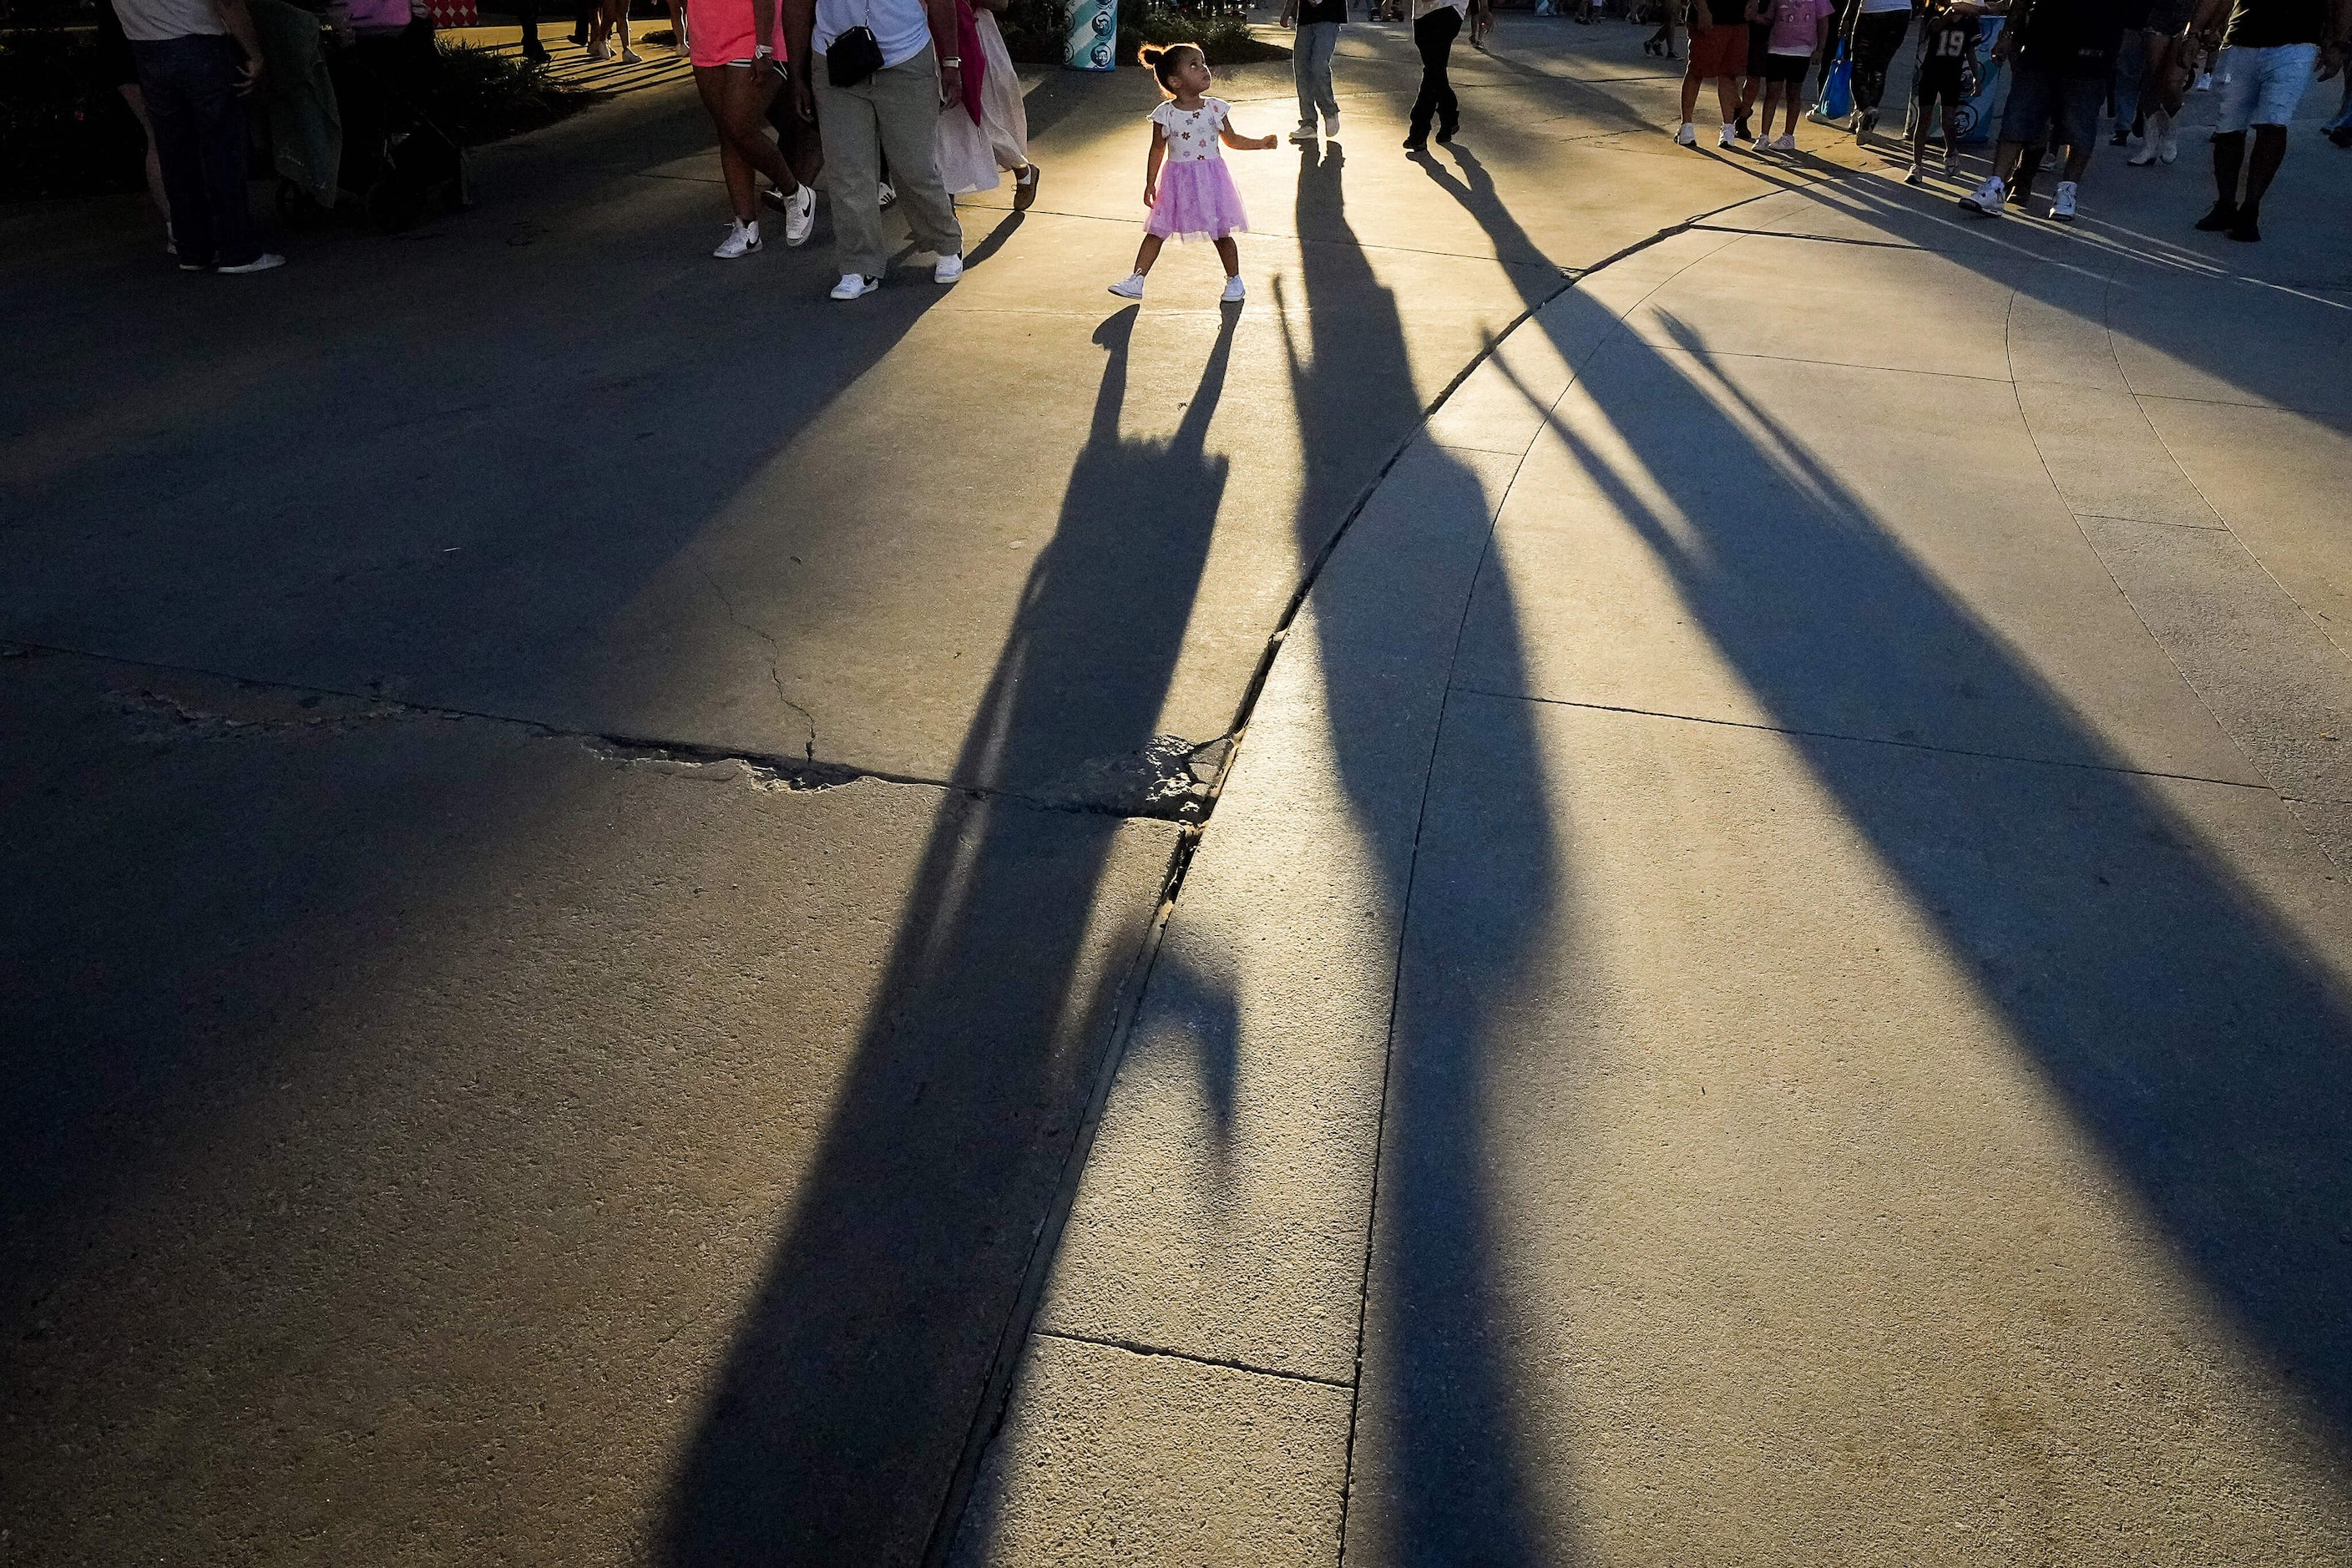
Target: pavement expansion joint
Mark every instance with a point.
(1896, 742)
(1134, 1348)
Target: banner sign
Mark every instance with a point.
(1093, 36)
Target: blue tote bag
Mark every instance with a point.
(1837, 89)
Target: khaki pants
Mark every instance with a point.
(895, 111)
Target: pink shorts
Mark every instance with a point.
(718, 32)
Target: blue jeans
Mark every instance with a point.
(1310, 67)
(2131, 64)
(190, 85)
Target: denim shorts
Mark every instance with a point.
(2049, 107)
(2264, 85)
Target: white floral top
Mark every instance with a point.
(1192, 133)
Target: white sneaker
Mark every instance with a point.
(888, 196)
(1331, 127)
(2171, 148)
(1687, 136)
(630, 57)
(1986, 199)
(265, 262)
(1305, 134)
(947, 269)
(852, 286)
(742, 239)
(1129, 287)
(1729, 138)
(1234, 291)
(600, 51)
(2145, 153)
(2062, 206)
(799, 215)
(1784, 143)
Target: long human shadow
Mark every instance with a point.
(1439, 1422)
(2201, 1042)
(833, 1430)
(279, 499)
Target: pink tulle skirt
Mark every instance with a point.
(1197, 201)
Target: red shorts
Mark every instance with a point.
(718, 32)
(1719, 51)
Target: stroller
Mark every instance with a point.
(345, 130)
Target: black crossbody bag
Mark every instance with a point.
(854, 57)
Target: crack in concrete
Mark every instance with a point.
(1171, 779)
(775, 655)
(1133, 1347)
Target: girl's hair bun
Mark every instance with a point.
(1166, 59)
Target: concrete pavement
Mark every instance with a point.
(597, 820)
(1770, 982)
(580, 819)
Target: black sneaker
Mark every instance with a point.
(2224, 216)
(1416, 143)
(533, 50)
(1447, 132)
(1742, 132)
(2249, 226)
(2340, 134)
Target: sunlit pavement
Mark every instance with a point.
(1768, 982)
(584, 822)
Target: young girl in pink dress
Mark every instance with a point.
(1185, 182)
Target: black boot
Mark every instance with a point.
(2224, 216)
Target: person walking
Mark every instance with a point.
(1311, 66)
(114, 60)
(1875, 31)
(1003, 113)
(738, 66)
(1795, 34)
(873, 74)
(1435, 25)
(2060, 53)
(1718, 53)
(2271, 52)
(198, 61)
(1950, 30)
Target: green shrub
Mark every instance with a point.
(1223, 35)
(479, 96)
(1033, 28)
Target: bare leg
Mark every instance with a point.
(1231, 255)
(136, 101)
(1726, 98)
(1691, 78)
(1148, 252)
(737, 98)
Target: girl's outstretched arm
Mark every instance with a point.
(1151, 161)
(1243, 143)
